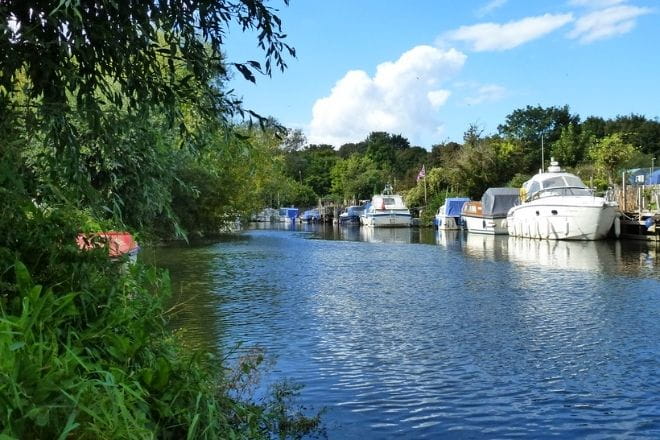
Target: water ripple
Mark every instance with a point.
(457, 336)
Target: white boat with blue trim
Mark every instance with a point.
(387, 210)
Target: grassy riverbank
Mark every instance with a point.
(85, 351)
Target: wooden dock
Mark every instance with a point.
(640, 208)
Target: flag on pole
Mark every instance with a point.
(422, 173)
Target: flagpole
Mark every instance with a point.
(424, 169)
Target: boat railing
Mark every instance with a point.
(610, 195)
(561, 192)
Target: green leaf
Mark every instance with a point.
(16, 346)
(22, 278)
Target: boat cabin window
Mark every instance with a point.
(554, 182)
(388, 201)
(574, 181)
(534, 188)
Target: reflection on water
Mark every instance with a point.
(632, 257)
(452, 335)
(386, 235)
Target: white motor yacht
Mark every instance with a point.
(556, 205)
(386, 210)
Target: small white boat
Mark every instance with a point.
(386, 210)
(267, 215)
(449, 214)
(489, 216)
(558, 206)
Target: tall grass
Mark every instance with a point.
(85, 351)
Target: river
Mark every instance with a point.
(409, 333)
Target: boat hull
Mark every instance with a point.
(574, 218)
(448, 223)
(486, 225)
(349, 220)
(387, 220)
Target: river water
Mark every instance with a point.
(412, 333)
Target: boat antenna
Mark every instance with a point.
(542, 158)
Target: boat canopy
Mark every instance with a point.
(289, 212)
(355, 210)
(548, 181)
(311, 214)
(454, 205)
(498, 201)
(654, 178)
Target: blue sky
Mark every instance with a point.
(428, 69)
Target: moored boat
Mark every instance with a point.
(489, 216)
(310, 216)
(266, 215)
(352, 215)
(387, 210)
(557, 205)
(449, 214)
(288, 215)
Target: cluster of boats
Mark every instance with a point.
(552, 205)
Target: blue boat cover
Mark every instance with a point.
(355, 210)
(497, 201)
(654, 178)
(311, 214)
(650, 178)
(453, 206)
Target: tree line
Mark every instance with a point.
(594, 148)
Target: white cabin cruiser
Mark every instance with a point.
(557, 206)
(489, 215)
(386, 210)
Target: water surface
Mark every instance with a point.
(409, 333)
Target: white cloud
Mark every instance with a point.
(437, 98)
(490, 7)
(606, 23)
(497, 37)
(596, 4)
(402, 97)
(486, 93)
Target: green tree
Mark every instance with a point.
(347, 150)
(101, 51)
(637, 130)
(382, 149)
(572, 145)
(319, 160)
(357, 178)
(295, 140)
(483, 163)
(75, 74)
(609, 153)
(442, 152)
(594, 126)
(528, 125)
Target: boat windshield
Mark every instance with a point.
(389, 201)
(562, 182)
(553, 192)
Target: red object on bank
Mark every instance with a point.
(119, 242)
